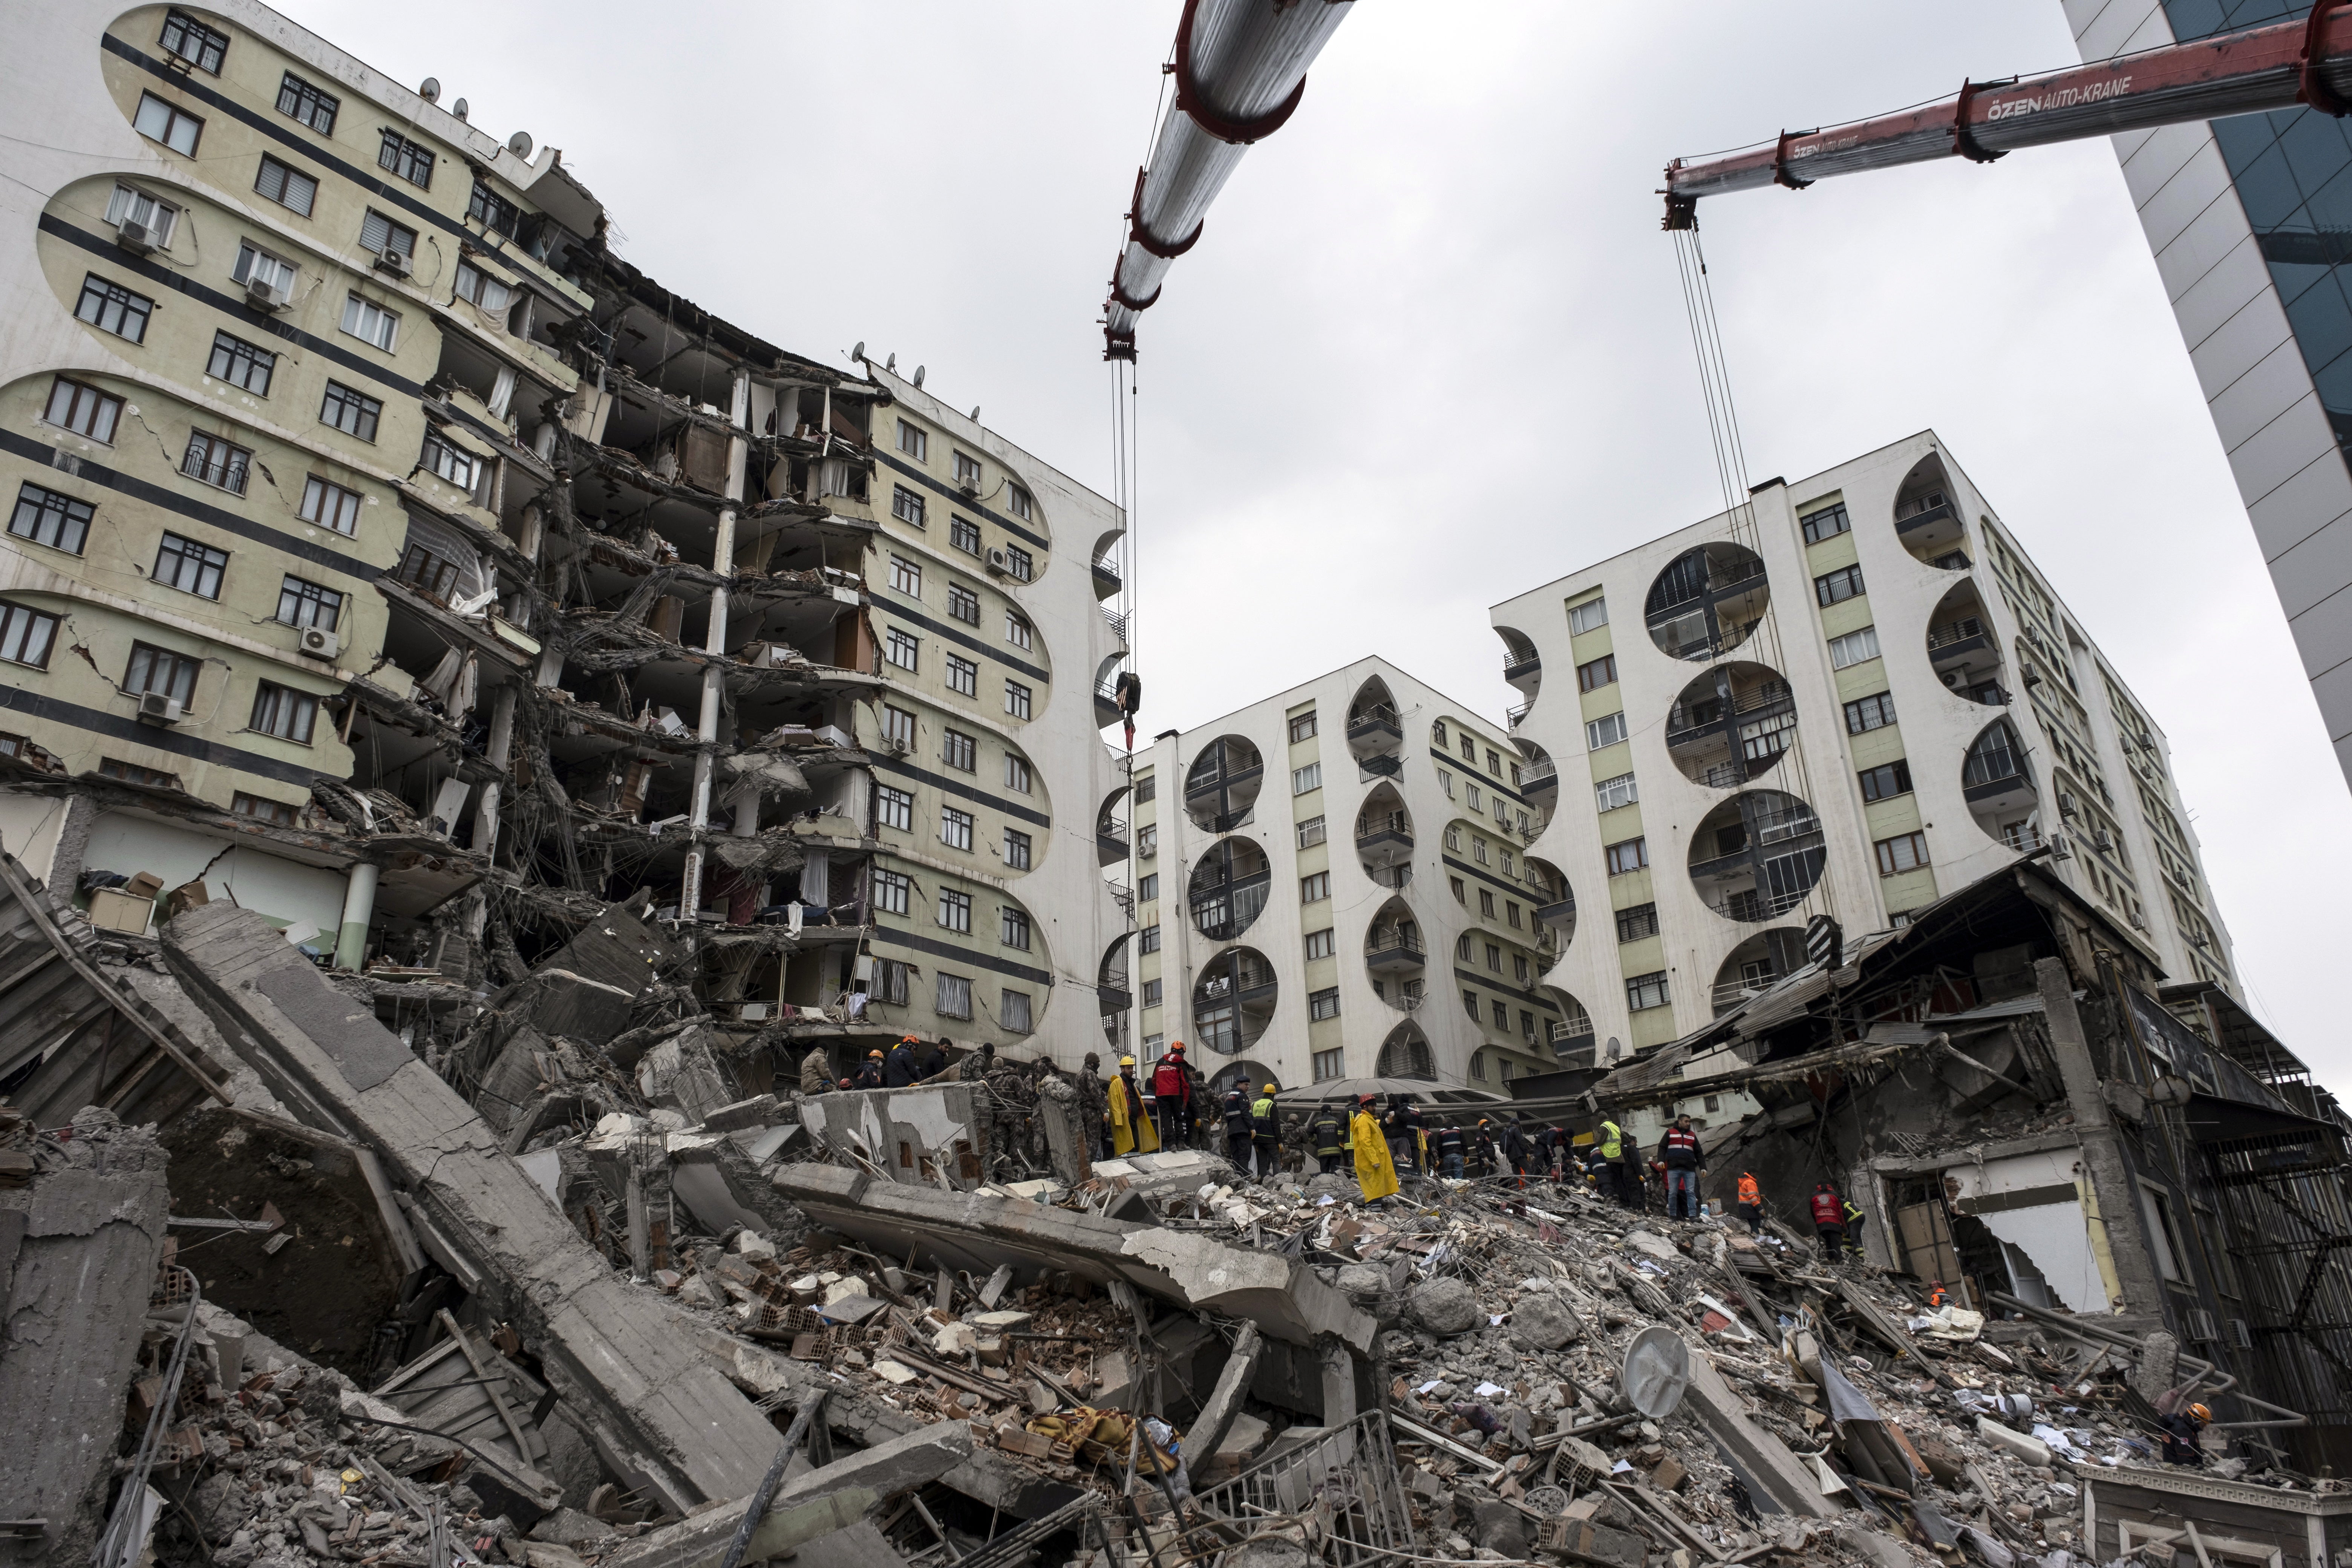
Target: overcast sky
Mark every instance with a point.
(1431, 350)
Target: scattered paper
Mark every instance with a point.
(1489, 1390)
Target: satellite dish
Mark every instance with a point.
(892, 364)
(1615, 1050)
(975, 413)
(918, 374)
(458, 108)
(859, 351)
(431, 91)
(1656, 1371)
(519, 144)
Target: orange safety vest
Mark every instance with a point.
(1748, 1192)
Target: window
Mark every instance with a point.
(954, 997)
(1013, 1011)
(1478, 850)
(1470, 1005)
(276, 813)
(1587, 616)
(905, 577)
(1632, 854)
(1479, 1065)
(1903, 852)
(1461, 893)
(1324, 944)
(1302, 726)
(1486, 904)
(1017, 632)
(1601, 672)
(1303, 780)
(1018, 561)
(1323, 1004)
(1153, 991)
(443, 457)
(477, 288)
(130, 205)
(2162, 1239)
(412, 161)
(1013, 928)
(1611, 794)
(1016, 773)
(1637, 923)
(305, 603)
(964, 675)
(898, 727)
(46, 517)
(1470, 749)
(958, 751)
(132, 772)
(254, 265)
(890, 891)
(1445, 783)
(371, 322)
(1519, 967)
(84, 410)
(111, 307)
(189, 39)
(1313, 889)
(300, 101)
(1836, 587)
(1147, 789)
(906, 506)
(1854, 648)
(1605, 731)
(1826, 523)
(26, 635)
(967, 470)
(962, 603)
(1310, 832)
(890, 982)
(330, 504)
(1494, 763)
(426, 573)
(1148, 889)
(1017, 502)
(1501, 1014)
(287, 185)
(1886, 782)
(963, 534)
(1644, 990)
(1147, 939)
(1017, 848)
(285, 714)
(1505, 856)
(160, 672)
(1867, 713)
(905, 649)
(1017, 699)
(1147, 841)
(161, 121)
(241, 364)
(894, 808)
(1494, 958)
(1511, 914)
(386, 238)
(1462, 948)
(1330, 1064)
(216, 462)
(492, 210)
(915, 442)
(955, 910)
(1453, 835)
(1472, 798)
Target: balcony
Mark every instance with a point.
(1106, 711)
(1393, 878)
(1125, 898)
(1954, 639)
(1518, 669)
(1516, 714)
(1750, 905)
(1390, 953)
(1559, 913)
(1383, 838)
(1374, 724)
(1934, 515)
(1110, 843)
(1202, 785)
(1386, 767)
(1116, 622)
(1537, 777)
(1108, 581)
(1113, 994)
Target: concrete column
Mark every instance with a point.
(501, 745)
(1338, 1364)
(359, 909)
(2103, 1165)
(714, 643)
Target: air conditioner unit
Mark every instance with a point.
(2139, 921)
(897, 747)
(264, 296)
(2202, 1327)
(320, 643)
(393, 262)
(1952, 678)
(997, 564)
(969, 491)
(2059, 849)
(2068, 805)
(135, 238)
(154, 708)
(2103, 839)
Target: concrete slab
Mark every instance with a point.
(1757, 1453)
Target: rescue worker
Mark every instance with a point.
(1011, 1098)
(870, 1074)
(816, 1074)
(1450, 1148)
(2181, 1430)
(1237, 1127)
(1094, 1107)
(898, 1067)
(1131, 1123)
(1854, 1220)
(1171, 1097)
(1266, 1134)
(1936, 1296)
(931, 1059)
(1829, 1221)
(1610, 1140)
(1484, 1157)
(1375, 1171)
(1294, 1142)
(1751, 1203)
(1328, 1136)
(1685, 1161)
(1404, 1133)
(1600, 1174)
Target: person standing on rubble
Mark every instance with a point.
(931, 1059)
(1203, 1135)
(1404, 1133)
(1237, 1127)
(1094, 1107)
(1266, 1134)
(1854, 1220)
(1375, 1171)
(1684, 1161)
(1451, 1148)
(1829, 1221)
(2181, 1432)
(1483, 1154)
(1130, 1123)
(1329, 1134)
(1294, 1142)
(1171, 1097)
(898, 1067)
(1614, 1146)
(1751, 1203)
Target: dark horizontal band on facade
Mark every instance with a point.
(1476, 978)
(965, 640)
(964, 791)
(957, 497)
(907, 938)
(37, 705)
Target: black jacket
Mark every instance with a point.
(898, 1067)
(1680, 1150)
(1330, 1133)
(869, 1076)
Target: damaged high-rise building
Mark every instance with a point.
(388, 556)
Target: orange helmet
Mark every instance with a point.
(2200, 1414)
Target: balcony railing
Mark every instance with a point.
(1392, 952)
(1990, 767)
(1385, 765)
(1952, 632)
(1515, 714)
(1380, 825)
(1107, 570)
(1518, 669)
(1560, 913)
(1372, 721)
(1925, 519)
(1392, 877)
(1539, 775)
(1116, 622)
(1729, 993)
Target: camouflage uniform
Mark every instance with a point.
(1094, 1107)
(1011, 1097)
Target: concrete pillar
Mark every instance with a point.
(714, 643)
(501, 745)
(1338, 1364)
(2103, 1165)
(359, 909)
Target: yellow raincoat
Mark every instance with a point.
(1131, 1124)
(1375, 1171)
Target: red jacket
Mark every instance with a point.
(1828, 1210)
(1170, 1083)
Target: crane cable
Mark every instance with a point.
(1730, 457)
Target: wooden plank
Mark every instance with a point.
(514, 1428)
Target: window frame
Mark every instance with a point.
(953, 911)
(1628, 856)
(358, 308)
(1019, 699)
(963, 535)
(304, 94)
(494, 211)
(234, 462)
(1019, 776)
(1302, 726)
(1321, 943)
(173, 117)
(1653, 985)
(906, 576)
(1872, 712)
(275, 705)
(55, 512)
(100, 402)
(1807, 522)
(210, 41)
(952, 996)
(1898, 774)
(1636, 922)
(393, 229)
(964, 675)
(314, 604)
(1013, 928)
(21, 628)
(958, 751)
(444, 459)
(162, 218)
(1844, 644)
(1020, 850)
(1590, 616)
(320, 496)
(907, 506)
(180, 671)
(1604, 789)
(289, 182)
(1595, 673)
(130, 308)
(898, 639)
(894, 808)
(1838, 586)
(893, 892)
(1315, 888)
(963, 604)
(1322, 1005)
(1307, 779)
(1890, 852)
(251, 361)
(1596, 728)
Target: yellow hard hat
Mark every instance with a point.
(1271, 1089)
(1127, 1061)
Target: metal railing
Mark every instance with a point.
(1515, 668)
(1993, 766)
(1952, 632)
(1371, 826)
(1751, 904)
(1116, 622)
(1103, 566)
(1394, 946)
(1380, 716)
(1535, 774)
(1517, 713)
(1730, 991)
(1346, 1480)
(1392, 877)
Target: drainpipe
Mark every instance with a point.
(714, 643)
(359, 909)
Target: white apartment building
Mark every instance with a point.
(1335, 883)
(1860, 699)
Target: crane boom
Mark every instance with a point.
(1241, 68)
(2307, 62)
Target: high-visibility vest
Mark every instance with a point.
(1749, 1191)
(1612, 1141)
(1262, 1117)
